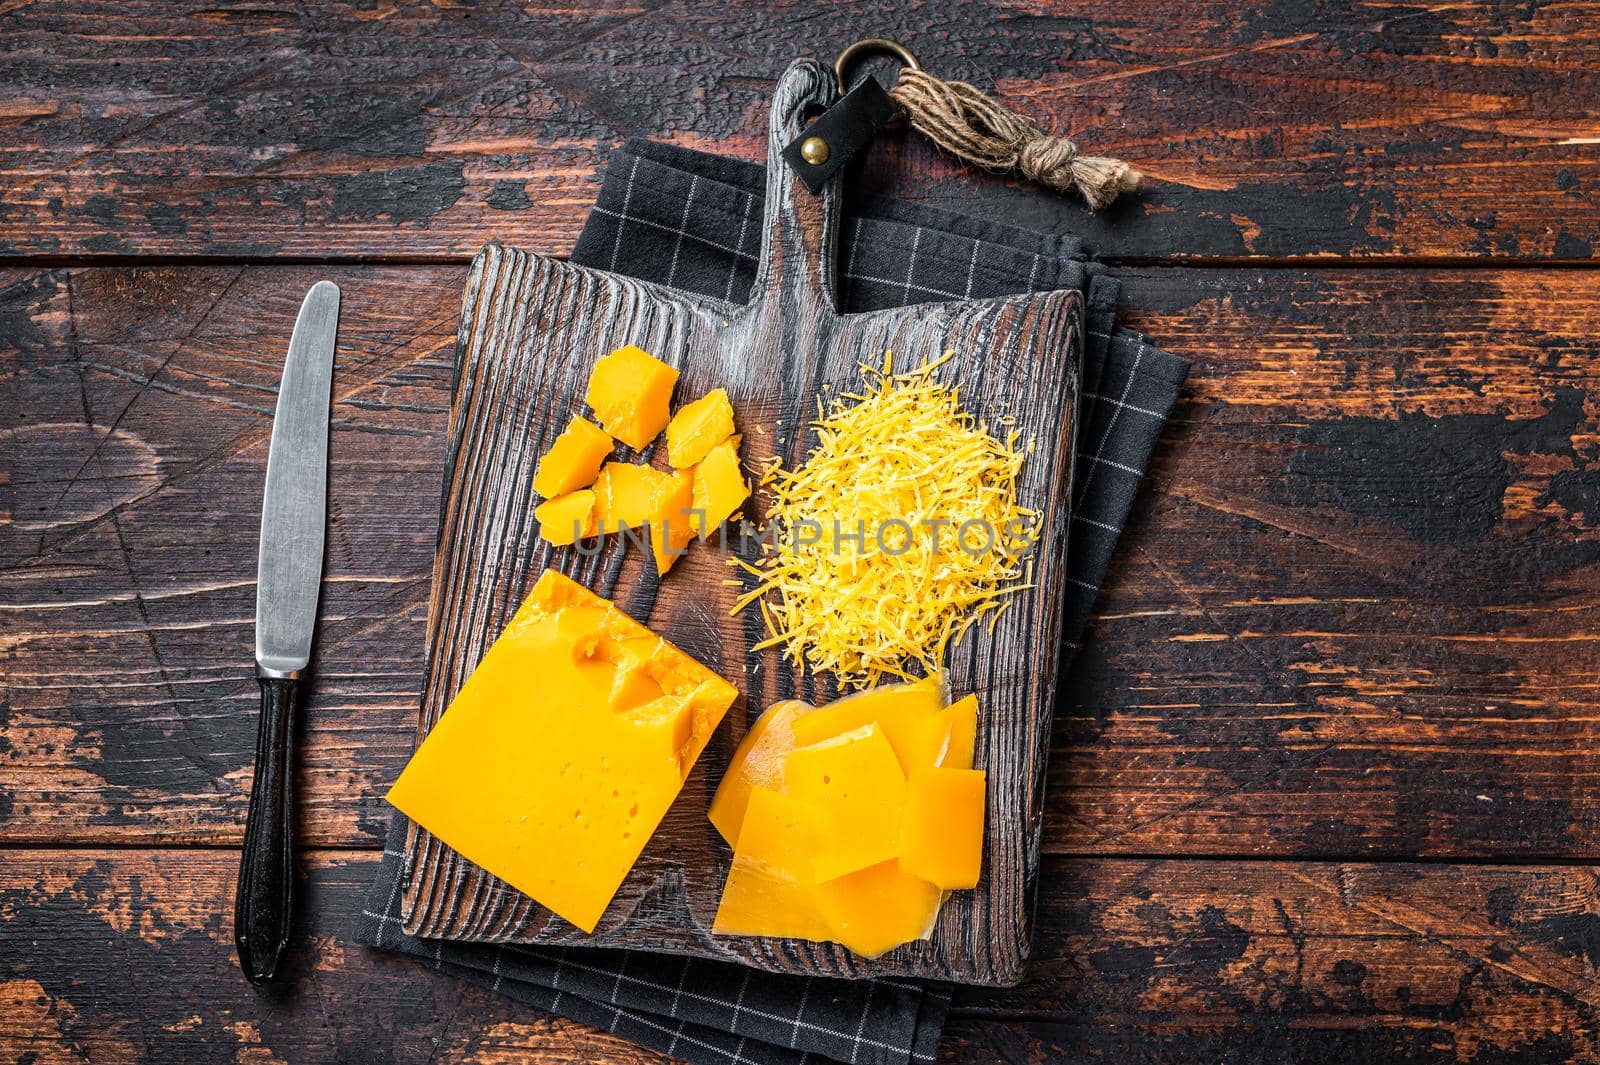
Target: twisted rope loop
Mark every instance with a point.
(968, 124)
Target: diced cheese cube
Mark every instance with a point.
(941, 832)
(561, 753)
(855, 780)
(672, 526)
(698, 427)
(719, 486)
(628, 495)
(573, 460)
(631, 393)
(567, 518)
(756, 763)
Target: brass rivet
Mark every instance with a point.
(814, 150)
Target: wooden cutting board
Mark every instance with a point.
(531, 329)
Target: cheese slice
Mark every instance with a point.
(756, 763)
(855, 781)
(878, 908)
(963, 718)
(850, 821)
(945, 738)
(771, 889)
(561, 753)
(902, 711)
(941, 831)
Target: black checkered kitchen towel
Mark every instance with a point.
(693, 221)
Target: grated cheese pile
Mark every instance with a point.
(944, 537)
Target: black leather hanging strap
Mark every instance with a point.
(839, 134)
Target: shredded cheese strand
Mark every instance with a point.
(944, 536)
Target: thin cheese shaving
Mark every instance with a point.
(901, 529)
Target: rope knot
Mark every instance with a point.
(1048, 160)
(975, 127)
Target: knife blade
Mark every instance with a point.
(288, 584)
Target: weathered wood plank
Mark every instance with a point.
(1356, 615)
(128, 571)
(1366, 567)
(127, 956)
(344, 129)
(1137, 961)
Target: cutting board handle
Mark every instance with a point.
(800, 229)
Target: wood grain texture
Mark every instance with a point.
(1174, 961)
(1307, 649)
(134, 455)
(1311, 650)
(138, 969)
(354, 130)
(531, 330)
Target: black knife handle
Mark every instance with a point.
(266, 866)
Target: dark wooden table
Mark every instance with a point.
(1324, 787)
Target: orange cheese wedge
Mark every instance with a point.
(559, 756)
(756, 763)
(573, 460)
(941, 832)
(631, 393)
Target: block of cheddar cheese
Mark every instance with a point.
(561, 753)
(630, 391)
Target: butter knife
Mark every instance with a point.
(294, 513)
